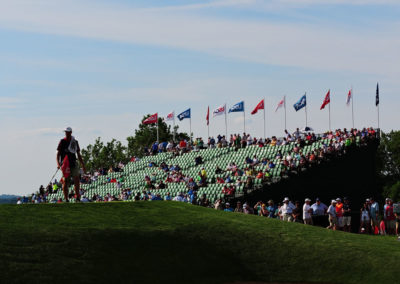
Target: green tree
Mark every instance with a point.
(103, 155)
(388, 164)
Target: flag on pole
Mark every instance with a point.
(327, 100)
(208, 115)
(301, 103)
(377, 95)
(349, 97)
(219, 110)
(239, 107)
(170, 116)
(183, 115)
(282, 103)
(259, 106)
(151, 119)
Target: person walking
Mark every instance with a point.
(67, 150)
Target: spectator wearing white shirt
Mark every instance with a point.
(332, 215)
(179, 197)
(307, 210)
(287, 210)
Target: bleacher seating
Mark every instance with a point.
(134, 172)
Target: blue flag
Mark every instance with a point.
(301, 103)
(237, 107)
(185, 114)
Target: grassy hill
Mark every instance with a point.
(169, 242)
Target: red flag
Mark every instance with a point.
(208, 116)
(65, 168)
(259, 106)
(327, 100)
(151, 119)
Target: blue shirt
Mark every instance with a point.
(319, 209)
(228, 209)
(271, 210)
(374, 210)
(168, 197)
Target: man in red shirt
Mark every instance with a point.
(390, 218)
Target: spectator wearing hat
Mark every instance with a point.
(247, 209)
(307, 211)
(319, 212)
(287, 210)
(339, 213)
(332, 215)
(346, 215)
(228, 207)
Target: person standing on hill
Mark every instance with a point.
(67, 150)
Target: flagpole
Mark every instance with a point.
(284, 105)
(190, 128)
(173, 121)
(264, 118)
(157, 130)
(352, 108)
(329, 112)
(244, 119)
(226, 125)
(305, 109)
(378, 119)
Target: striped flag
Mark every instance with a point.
(349, 97)
(219, 110)
(170, 116)
(282, 103)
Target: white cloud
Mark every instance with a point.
(264, 42)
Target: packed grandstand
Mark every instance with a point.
(220, 168)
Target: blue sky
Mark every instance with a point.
(99, 66)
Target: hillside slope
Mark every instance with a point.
(168, 242)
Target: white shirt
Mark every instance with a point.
(179, 198)
(287, 208)
(332, 211)
(306, 213)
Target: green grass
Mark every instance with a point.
(169, 242)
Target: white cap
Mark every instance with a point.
(333, 201)
(338, 199)
(68, 129)
(227, 204)
(307, 199)
(286, 199)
